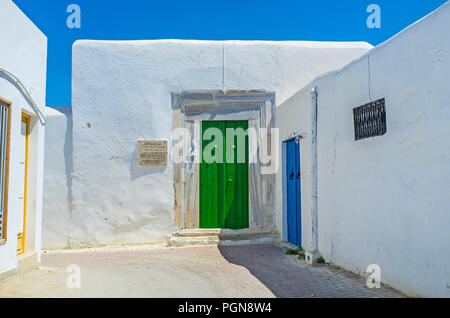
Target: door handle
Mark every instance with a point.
(291, 176)
(298, 176)
(230, 181)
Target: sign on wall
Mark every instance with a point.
(370, 120)
(152, 153)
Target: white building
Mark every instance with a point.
(23, 59)
(380, 200)
(123, 92)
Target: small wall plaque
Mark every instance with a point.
(370, 120)
(152, 153)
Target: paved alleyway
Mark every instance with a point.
(225, 271)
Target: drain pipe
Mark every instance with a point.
(25, 93)
(313, 254)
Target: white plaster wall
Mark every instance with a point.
(385, 200)
(284, 67)
(122, 92)
(58, 165)
(23, 52)
(293, 120)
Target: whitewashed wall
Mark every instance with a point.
(294, 118)
(385, 200)
(122, 93)
(23, 52)
(58, 165)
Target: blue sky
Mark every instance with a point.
(319, 20)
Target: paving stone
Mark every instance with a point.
(247, 271)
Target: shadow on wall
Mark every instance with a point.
(68, 154)
(137, 171)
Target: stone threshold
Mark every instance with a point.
(194, 237)
(25, 264)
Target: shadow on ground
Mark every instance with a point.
(288, 277)
(268, 264)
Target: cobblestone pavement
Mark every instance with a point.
(227, 271)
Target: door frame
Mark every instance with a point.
(285, 228)
(25, 119)
(4, 235)
(191, 107)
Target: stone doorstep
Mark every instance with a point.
(219, 232)
(193, 241)
(197, 232)
(217, 237)
(287, 244)
(27, 262)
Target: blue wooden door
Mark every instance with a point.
(293, 178)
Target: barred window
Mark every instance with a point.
(370, 120)
(4, 154)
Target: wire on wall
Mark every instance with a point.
(25, 93)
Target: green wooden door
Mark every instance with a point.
(224, 184)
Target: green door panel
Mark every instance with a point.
(224, 201)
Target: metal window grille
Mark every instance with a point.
(3, 141)
(370, 120)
